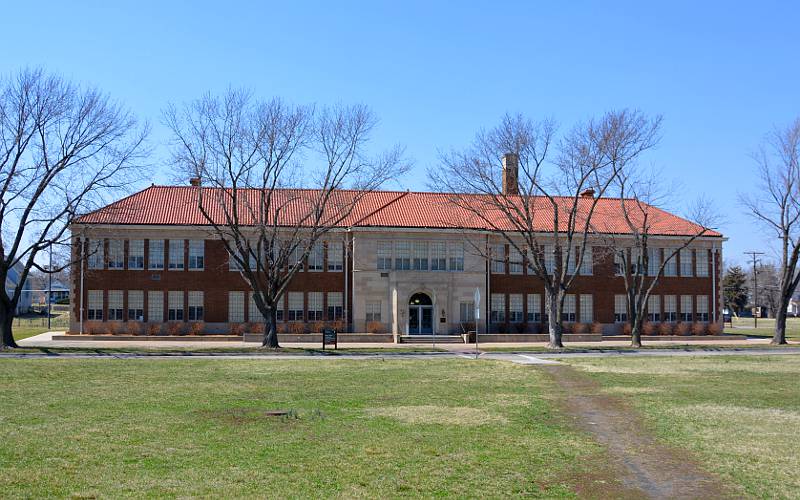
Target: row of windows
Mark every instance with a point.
(669, 313)
(690, 262)
(316, 260)
(514, 262)
(408, 255)
(114, 305)
(175, 258)
(292, 307)
(533, 310)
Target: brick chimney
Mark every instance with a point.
(588, 193)
(194, 181)
(510, 173)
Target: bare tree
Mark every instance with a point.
(552, 197)
(245, 154)
(62, 150)
(777, 206)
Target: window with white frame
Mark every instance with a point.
(296, 258)
(135, 305)
(466, 312)
(620, 309)
(335, 256)
(279, 309)
(686, 308)
(94, 305)
(296, 306)
(420, 256)
(175, 305)
(176, 255)
(155, 306)
(115, 309)
(587, 264)
(671, 259)
(384, 255)
(654, 308)
(653, 261)
(498, 308)
(315, 306)
(335, 308)
(702, 308)
(686, 262)
(402, 255)
(515, 308)
(534, 308)
(236, 307)
(568, 261)
(116, 254)
(155, 255)
(499, 259)
(373, 311)
(197, 254)
(253, 313)
(136, 254)
(587, 308)
(549, 259)
(196, 309)
(701, 261)
(96, 252)
(316, 257)
(514, 261)
(620, 254)
(233, 264)
(568, 313)
(637, 262)
(670, 308)
(438, 256)
(456, 249)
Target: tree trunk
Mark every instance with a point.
(6, 324)
(636, 332)
(779, 338)
(271, 330)
(554, 323)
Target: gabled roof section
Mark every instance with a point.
(178, 205)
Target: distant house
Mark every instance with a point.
(58, 291)
(793, 309)
(12, 282)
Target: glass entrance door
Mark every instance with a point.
(420, 315)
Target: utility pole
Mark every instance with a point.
(754, 255)
(50, 288)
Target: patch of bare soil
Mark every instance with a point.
(637, 459)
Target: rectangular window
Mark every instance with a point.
(702, 308)
(196, 311)
(637, 262)
(197, 254)
(587, 308)
(253, 314)
(654, 308)
(514, 261)
(670, 308)
(498, 308)
(155, 306)
(136, 254)
(456, 256)
(335, 256)
(233, 264)
(402, 255)
(701, 258)
(135, 305)
(175, 305)
(686, 262)
(335, 309)
(155, 255)
(438, 256)
(176, 255)
(671, 266)
(279, 309)
(499, 259)
(296, 258)
(115, 310)
(653, 261)
(568, 314)
(373, 311)
(236, 307)
(116, 254)
(534, 308)
(515, 308)
(619, 261)
(315, 306)
(296, 306)
(96, 254)
(587, 264)
(620, 309)
(686, 308)
(549, 259)
(466, 312)
(384, 255)
(316, 257)
(568, 261)
(420, 256)
(94, 305)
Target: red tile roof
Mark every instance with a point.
(178, 205)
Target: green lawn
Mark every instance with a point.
(34, 324)
(111, 428)
(740, 415)
(766, 327)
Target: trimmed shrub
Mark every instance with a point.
(699, 329)
(597, 328)
(666, 328)
(317, 327)
(715, 329)
(683, 328)
(580, 328)
(153, 329)
(338, 325)
(134, 328)
(375, 327)
(626, 329)
(296, 327)
(174, 328)
(197, 328)
(649, 328)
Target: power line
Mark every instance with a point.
(754, 256)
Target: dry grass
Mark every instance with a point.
(445, 415)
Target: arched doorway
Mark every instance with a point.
(420, 314)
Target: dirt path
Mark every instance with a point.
(643, 464)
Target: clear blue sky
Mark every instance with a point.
(722, 74)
